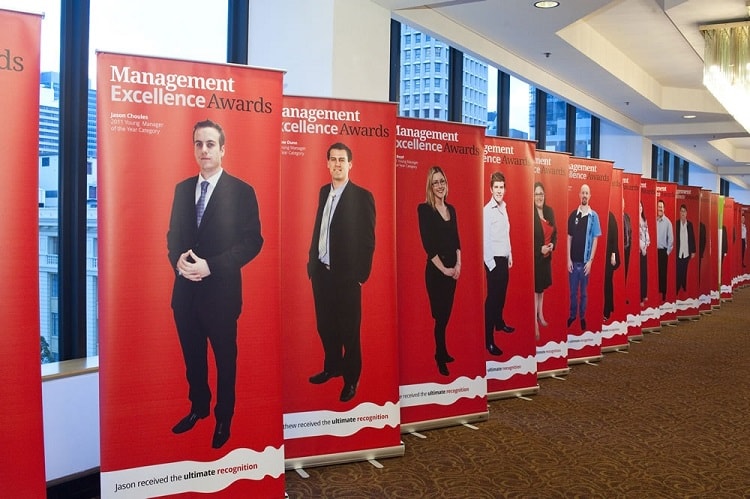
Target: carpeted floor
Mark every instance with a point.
(668, 419)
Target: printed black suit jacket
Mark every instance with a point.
(228, 238)
(351, 235)
(690, 237)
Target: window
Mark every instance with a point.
(556, 123)
(416, 84)
(438, 67)
(416, 99)
(436, 98)
(475, 86)
(407, 70)
(438, 52)
(417, 69)
(49, 133)
(417, 54)
(111, 29)
(583, 134)
(417, 37)
(436, 113)
(53, 246)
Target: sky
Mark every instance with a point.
(164, 28)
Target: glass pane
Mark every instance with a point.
(123, 27)
(555, 123)
(491, 128)
(421, 56)
(522, 114)
(49, 118)
(583, 134)
(475, 86)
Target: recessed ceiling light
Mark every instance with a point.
(546, 4)
(689, 116)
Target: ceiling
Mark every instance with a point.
(635, 63)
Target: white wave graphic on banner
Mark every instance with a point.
(705, 299)
(587, 339)
(442, 394)
(634, 320)
(726, 289)
(649, 313)
(193, 476)
(506, 370)
(551, 350)
(667, 308)
(341, 424)
(615, 328)
(687, 304)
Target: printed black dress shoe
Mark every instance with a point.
(348, 392)
(221, 434)
(322, 377)
(507, 329)
(186, 423)
(494, 350)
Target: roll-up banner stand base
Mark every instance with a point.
(508, 394)
(344, 457)
(552, 373)
(689, 317)
(615, 348)
(652, 330)
(584, 360)
(479, 417)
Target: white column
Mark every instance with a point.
(328, 48)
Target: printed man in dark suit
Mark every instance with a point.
(340, 260)
(214, 230)
(685, 236)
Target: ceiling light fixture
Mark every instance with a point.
(689, 116)
(726, 67)
(546, 4)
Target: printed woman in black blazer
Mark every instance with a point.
(438, 229)
(545, 240)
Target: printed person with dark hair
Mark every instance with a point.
(612, 263)
(498, 259)
(664, 246)
(644, 241)
(627, 235)
(685, 248)
(702, 240)
(214, 230)
(340, 261)
(438, 229)
(743, 235)
(545, 240)
(583, 233)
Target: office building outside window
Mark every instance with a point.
(430, 58)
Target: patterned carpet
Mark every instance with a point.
(668, 419)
